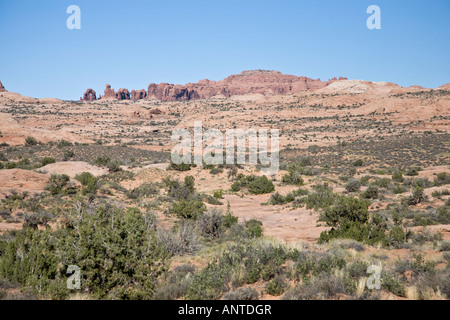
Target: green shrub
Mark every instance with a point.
(398, 177)
(56, 183)
(322, 197)
(218, 194)
(179, 191)
(114, 262)
(412, 171)
(348, 219)
(253, 228)
(176, 283)
(417, 197)
(261, 185)
(210, 223)
(30, 141)
(370, 193)
(216, 170)
(148, 189)
(188, 209)
(85, 178)
(255, 184)
(211, 200)
(364, 181)
(229, 219)
(67, 155)
(236, 186)
(445, 246)
(114, 166)
(102, 161)
(358, 269)
(179, 167)
(210, 283)
(184, 239)
(47, 160)
(352, 185)
(246, 293)
(63, 143)
(35, 219)
(293, 177)
(390, 283)
(383, 182)
(358, 163)
(276, 287)
(277, 198)
(323, 287)
(441, 179)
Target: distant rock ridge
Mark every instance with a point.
(265, 82)
(2, 88)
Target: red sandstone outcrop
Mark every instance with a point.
(138, 94)
(109, 93)
(170, 92)
(2, 88)
(89, 95)
(263, 82)
(267, 83)
(123, 94)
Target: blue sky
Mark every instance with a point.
(130, 44)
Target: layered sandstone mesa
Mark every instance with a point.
(90, 95)
(267, 83)
(2, 88)
(123, 94)
(138, 94)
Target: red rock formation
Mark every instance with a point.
(2, 88)
(109, 93)
(90, 95)
(138, 94)
(263, 82)
(123, 94)
(170, 92)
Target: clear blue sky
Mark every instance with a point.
(130, 44)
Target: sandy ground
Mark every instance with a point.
(21, 181)
(278, 222)
(72, 168)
